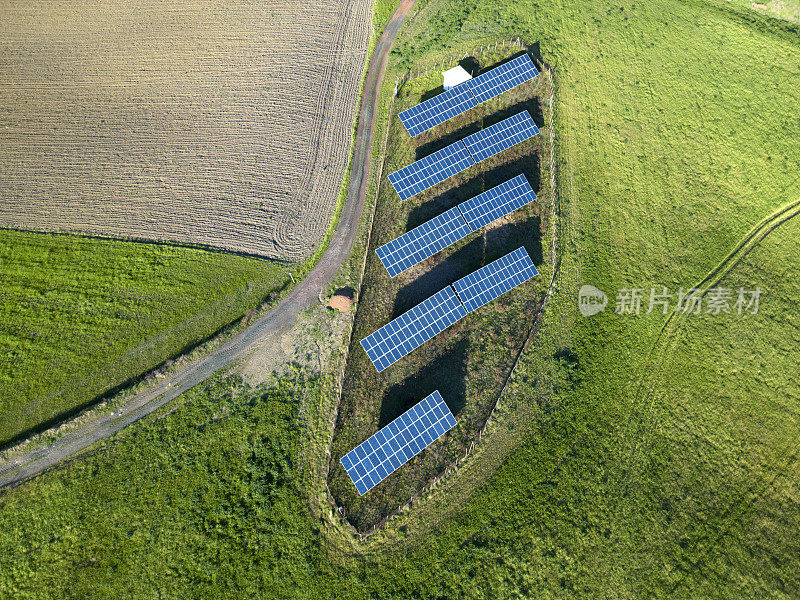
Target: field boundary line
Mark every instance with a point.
(279, 318)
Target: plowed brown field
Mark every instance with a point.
(218, 123)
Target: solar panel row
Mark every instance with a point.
(497, 202)
(503, 78)
(427, 172)
(384, 452)
(438, 109)
(423, 242)
(432, 236)
(392, 446)
(410, 330)
(501, 136)
(495, 279)
(435, 168)
(427, 115)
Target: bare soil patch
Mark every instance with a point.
(224, 124)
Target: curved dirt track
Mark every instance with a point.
(277, 320)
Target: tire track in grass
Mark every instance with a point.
(666, 337)
(650, 389)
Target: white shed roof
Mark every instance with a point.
(454, 76)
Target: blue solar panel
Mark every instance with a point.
(438, 109)
(423, 242)
(497, 202)
(495, 279)
(427, 172)
(501, 136)
(392, 446)
(503, 78)
(413, 328)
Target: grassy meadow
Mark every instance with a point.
(174, 495)
(660, 462)
(82, 316)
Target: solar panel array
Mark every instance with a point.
(392, 446)
(423, 242)
(497, 202)
(395, 444)
(427, 115)
(495, 279)
(432, 236)
(503, 78)
(434, 168)
(501, 136)
(438, 109)
(410, 330)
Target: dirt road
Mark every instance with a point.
(277, 320)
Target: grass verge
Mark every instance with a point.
(82, 317)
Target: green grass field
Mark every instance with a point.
(82, 316)
(661, 463)
(782, 9)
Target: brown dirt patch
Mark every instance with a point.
(225, 124)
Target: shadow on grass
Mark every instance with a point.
(347, 292)
(480, 251)
(447, 373)
(470, 64)
(426, 148)
(502, 240)
(431, 93)
(531, 105)
(528, 165)
(457, 265)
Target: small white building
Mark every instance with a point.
(452, 77)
